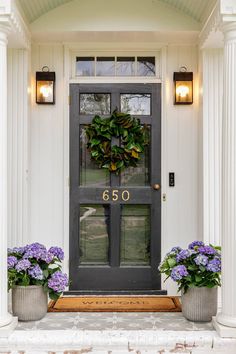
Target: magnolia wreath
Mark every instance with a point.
(120, 128)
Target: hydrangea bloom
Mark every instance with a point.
(182, 255)
(214, 265)
(207, 250)
(36, 272)
(23, 264)
(58, 281)
(179, 272)
(33, 264)
(19, 250)
(197, 266)
(11, 262)
(47, 257)
(176, 249)
(195, 243)
(57, 252)
(201, 259)
(35, 250)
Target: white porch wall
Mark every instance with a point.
(180, 127)
(46, 154)
(180, 221)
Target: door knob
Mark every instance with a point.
(156, 186)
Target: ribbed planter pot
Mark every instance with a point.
(29, 303)
(199, 304)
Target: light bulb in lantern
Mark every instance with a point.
(182, 91)
(46, 91)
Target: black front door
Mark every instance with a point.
(115, 221)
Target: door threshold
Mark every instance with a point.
(114, 292)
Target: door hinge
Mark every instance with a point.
(68, 181)
(69, 100)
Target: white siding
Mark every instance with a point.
(180, 139)
(46, 153)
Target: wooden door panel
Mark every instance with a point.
(115, 221)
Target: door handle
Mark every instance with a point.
(156, 186)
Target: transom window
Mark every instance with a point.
(120, 66)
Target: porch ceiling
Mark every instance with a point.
(199, 10)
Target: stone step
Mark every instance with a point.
(114, 351)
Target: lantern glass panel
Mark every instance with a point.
(45, 91)
(184, 92)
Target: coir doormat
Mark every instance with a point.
(116, 304)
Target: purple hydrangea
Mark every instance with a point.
(36, 272)
(58, 282)
(201, 259)
(35, 250)
(214, 265)
(47, 257)
(19, 250)
(207, 250)
(23, 265)
(57, 252)
(183, 255)
(179, 272)
(11, 262)
(176, 249)
(195, 243)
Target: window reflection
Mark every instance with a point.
(136, 103)
(94, 230)
(95, 103)
(146, 66)
(116, 66)
(135, 235)
(90, 174)
(125, 66)
(85, 66)
(105, 66)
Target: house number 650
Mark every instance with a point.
(115, 195)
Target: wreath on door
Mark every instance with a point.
(132, 135)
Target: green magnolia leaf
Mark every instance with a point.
(94, 142)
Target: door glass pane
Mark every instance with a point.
(94, 239)
(135, 235)
(105, 66)
(140, 175)
(90, 173)
(95, 103)
(125, 66)
(146, 66)
(85, 66)
(136, 103)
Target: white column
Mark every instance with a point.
(5, 317)
(227, 317)
(18, 77)
(212, 72)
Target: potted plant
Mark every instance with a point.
(34, 273)
(197, 272)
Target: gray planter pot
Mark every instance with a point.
(199, 304)
(29, 303)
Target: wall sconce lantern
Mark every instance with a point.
(183, 81)
(45, 86)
